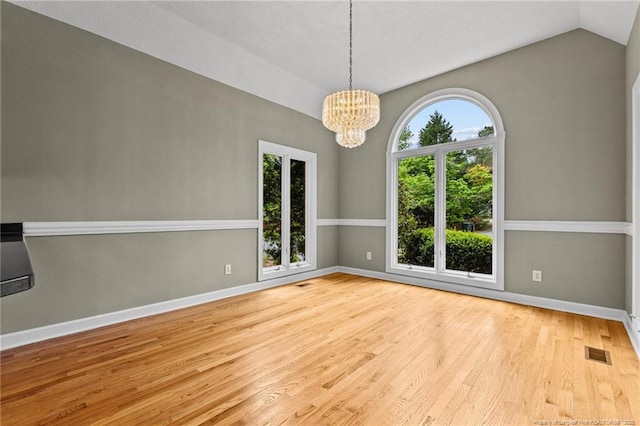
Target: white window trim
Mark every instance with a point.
(311, 218)
(496, 282)
(635, 204)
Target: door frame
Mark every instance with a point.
(288, 153)
(635, 203)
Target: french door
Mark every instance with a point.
(287, 211)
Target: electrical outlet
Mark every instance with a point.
(227, 269)
(368, 255)
(536, 275)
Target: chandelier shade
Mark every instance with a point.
(350, 113)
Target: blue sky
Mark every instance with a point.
(467, 119)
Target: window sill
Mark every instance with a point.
(277, 272)
(452, 277)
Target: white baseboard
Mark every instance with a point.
(505, 296)
(25, 337)
(633, 332)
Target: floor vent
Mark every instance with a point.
(303, 284)
(598, 355)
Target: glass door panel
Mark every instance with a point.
(287, 209)
(272, 211)
(298, 212)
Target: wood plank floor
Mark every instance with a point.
(339, 349)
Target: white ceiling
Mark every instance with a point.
(296, 52)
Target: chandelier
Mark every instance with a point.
(350, 113)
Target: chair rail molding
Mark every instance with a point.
(589, 227)
(42, 229)
(59, 228)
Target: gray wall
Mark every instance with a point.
(562, 103)
(356, 241)
(632, 72)
(92, 130)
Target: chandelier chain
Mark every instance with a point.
(350, 43)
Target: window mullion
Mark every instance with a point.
(286, 210)
(441, 214)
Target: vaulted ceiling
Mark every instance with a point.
(296, 52)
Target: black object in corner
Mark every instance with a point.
(16, 274)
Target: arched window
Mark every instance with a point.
(445, 190)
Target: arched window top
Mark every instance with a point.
(446, 116)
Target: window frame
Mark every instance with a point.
(635, 203)
(310, 158)
(439, 271)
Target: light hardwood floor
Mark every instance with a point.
(339, 350)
